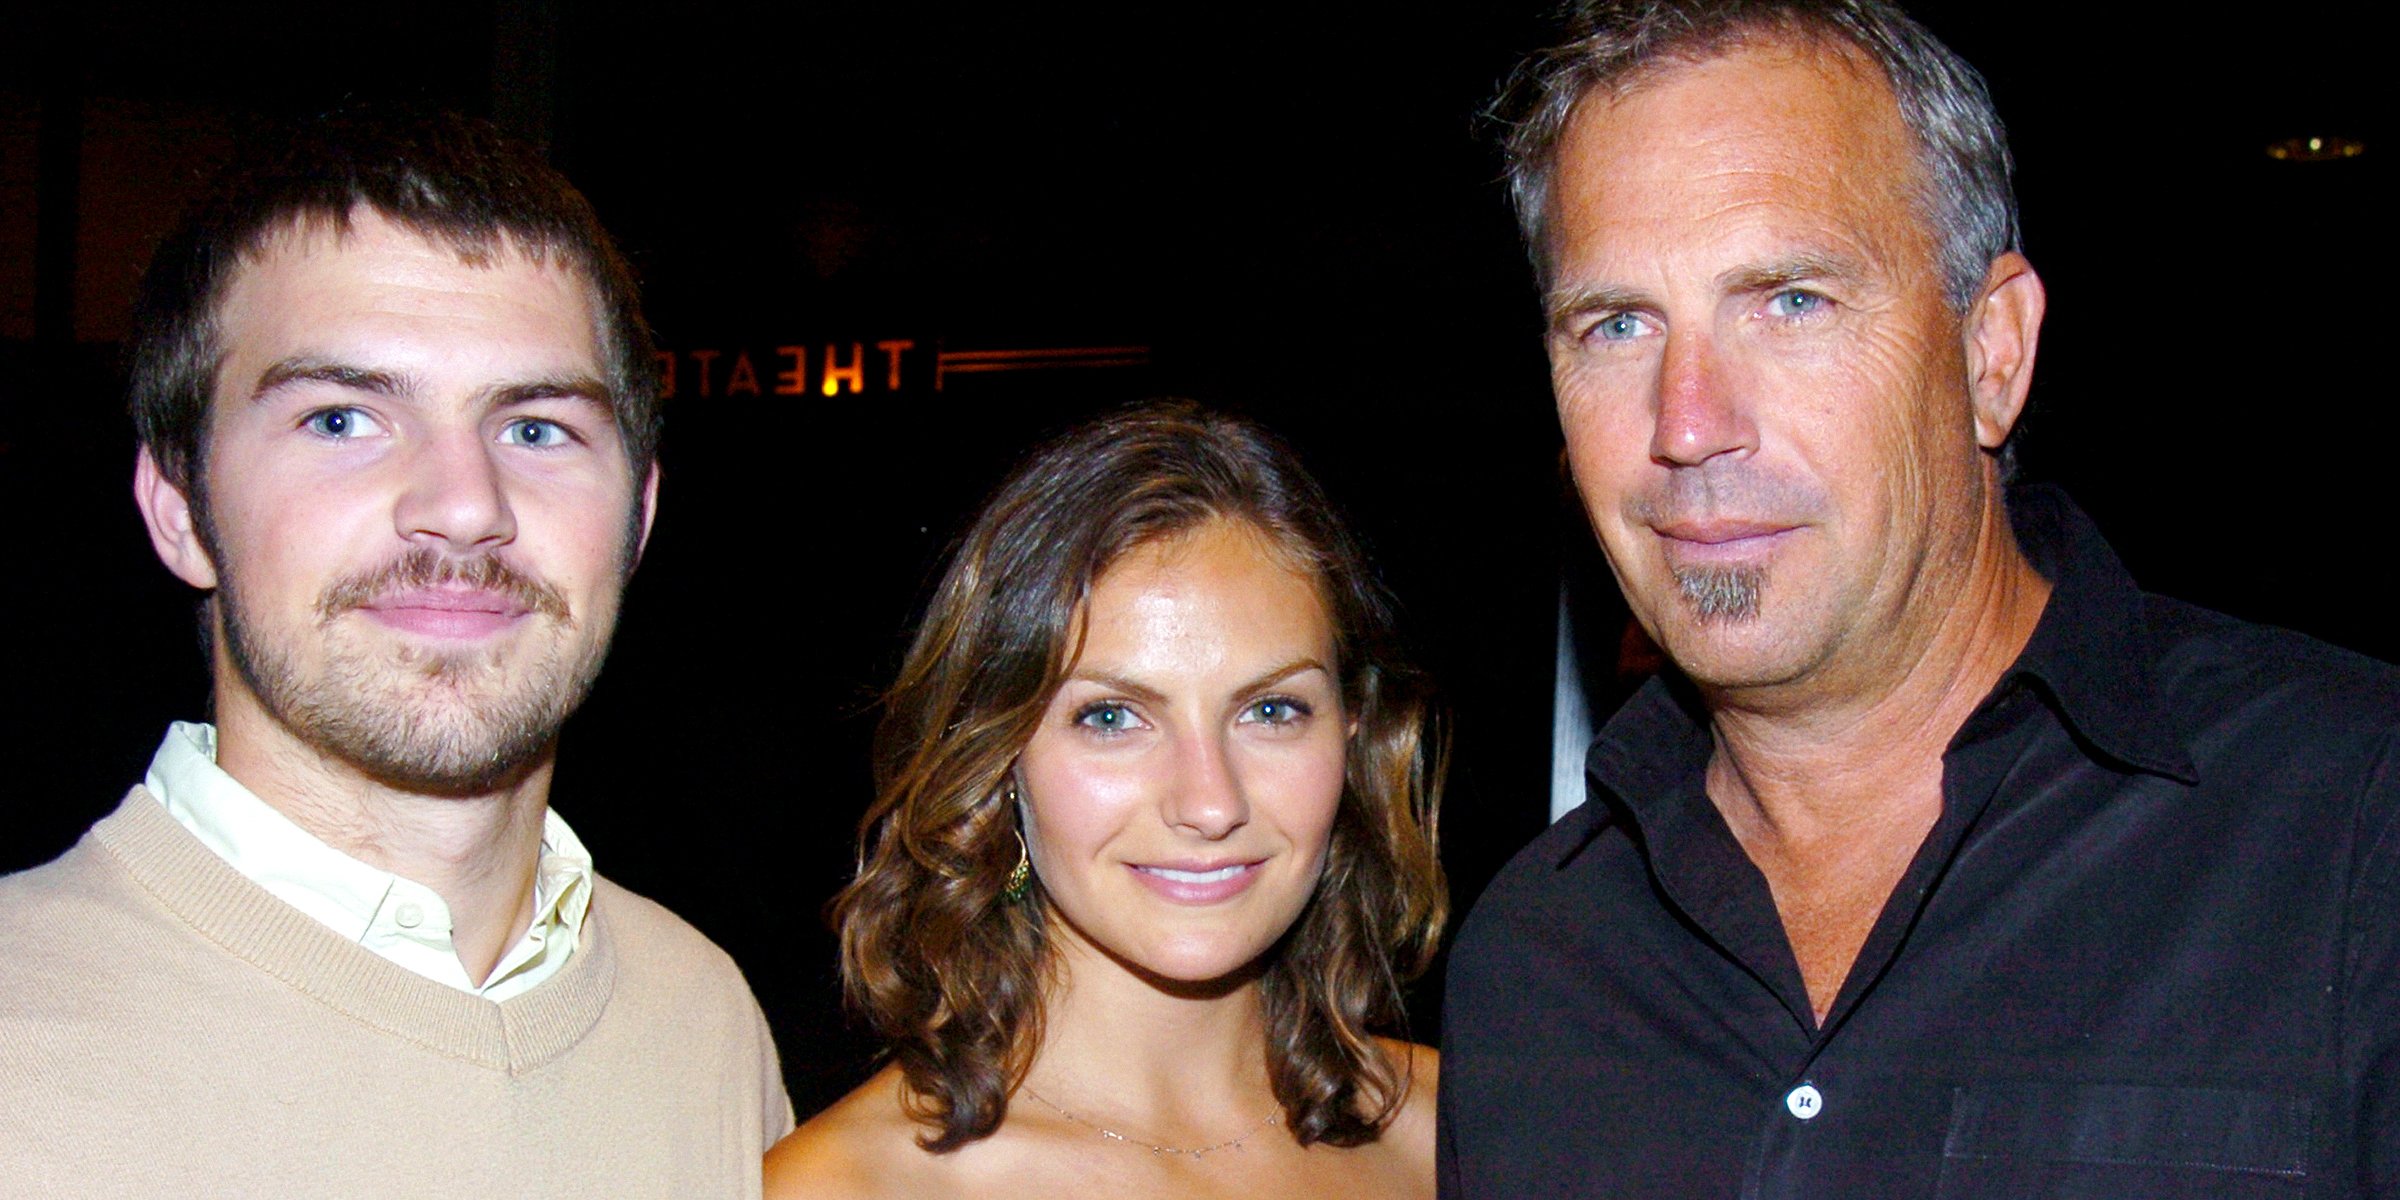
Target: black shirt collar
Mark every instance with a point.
(2087, 659)
(2092, 649)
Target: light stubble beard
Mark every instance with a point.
(460, 723)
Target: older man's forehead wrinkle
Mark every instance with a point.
(1804, 235)
(1690, 209)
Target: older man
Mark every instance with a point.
(1946, 862)
(397, 419)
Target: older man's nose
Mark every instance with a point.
(1699, 413)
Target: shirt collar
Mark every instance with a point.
(362, 903)
(335, 889)
(2092, 650)
(2088, 657)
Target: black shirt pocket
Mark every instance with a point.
(2083, 1141)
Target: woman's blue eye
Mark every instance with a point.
(1107, 718)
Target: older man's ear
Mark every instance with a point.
(2002, 331)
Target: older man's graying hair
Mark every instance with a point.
(1609, 45)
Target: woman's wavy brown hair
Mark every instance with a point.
(950, 973)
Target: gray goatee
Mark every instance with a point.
(1722, 594)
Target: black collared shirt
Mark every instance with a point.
(2151, 948)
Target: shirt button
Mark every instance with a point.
(1805, 1102)
(409, 916)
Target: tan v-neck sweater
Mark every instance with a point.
(168, 1028)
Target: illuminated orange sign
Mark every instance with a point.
(880, 367)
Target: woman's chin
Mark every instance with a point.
(1197, 968)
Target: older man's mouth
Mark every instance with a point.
(1726, 542)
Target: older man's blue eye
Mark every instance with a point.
(1796, 304)
(1619, 327)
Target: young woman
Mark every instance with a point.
(1152, 849)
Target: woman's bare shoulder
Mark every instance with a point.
(865, 1146)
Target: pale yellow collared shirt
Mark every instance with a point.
(401, 921)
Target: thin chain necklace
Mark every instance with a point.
(1153, 1147)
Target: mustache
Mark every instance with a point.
(1719, 489)
(422, 568)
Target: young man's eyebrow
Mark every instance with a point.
(390, 383)
(571, 387)
(285, 372)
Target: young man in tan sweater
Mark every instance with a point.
(398, 419)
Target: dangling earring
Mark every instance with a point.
(1020, 877)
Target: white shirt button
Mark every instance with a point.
(1805, 1102)
(409, 916)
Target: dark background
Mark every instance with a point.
(1287, 207)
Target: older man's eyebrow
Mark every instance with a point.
(1786, 271)
(1565, 304)
(286, 372)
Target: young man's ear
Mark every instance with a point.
(174, 527)
(649, 502)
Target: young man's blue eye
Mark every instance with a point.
(340, 423)
(535, 432)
